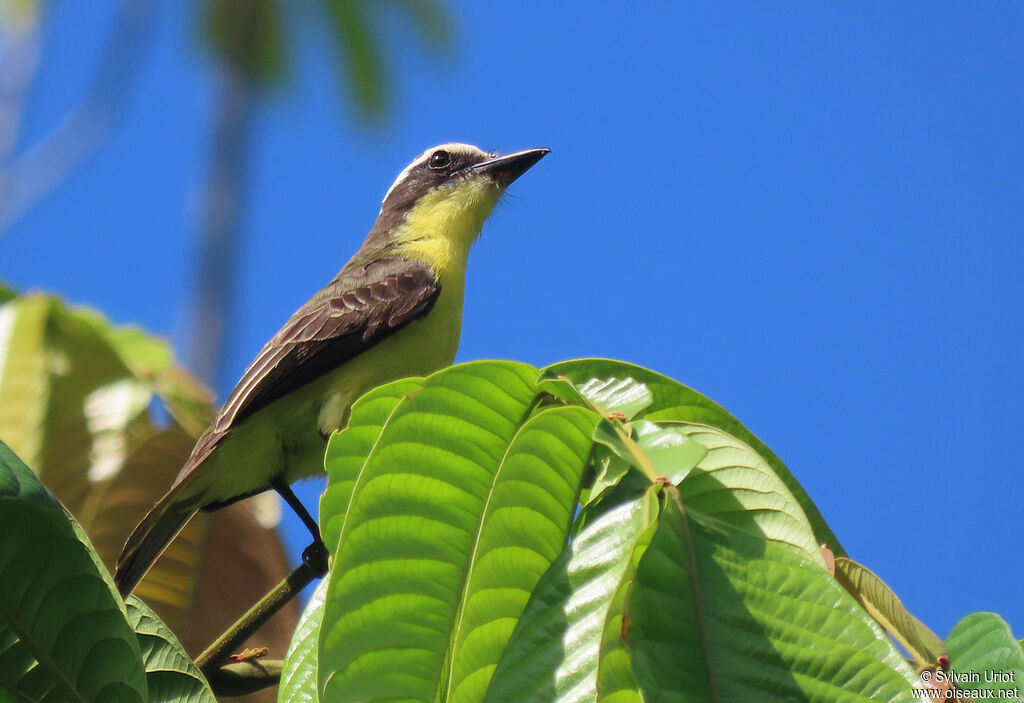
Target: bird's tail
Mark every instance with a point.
(149, 540)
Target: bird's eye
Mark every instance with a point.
(440, 159)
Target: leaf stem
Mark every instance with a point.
(241, 678)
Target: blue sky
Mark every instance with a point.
(810, 212)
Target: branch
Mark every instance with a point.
(210, 661)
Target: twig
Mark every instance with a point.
(210, 661)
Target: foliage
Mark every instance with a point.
(590, 531)
(981, 645)
(250, 36)
(76, 403)
(65, 633)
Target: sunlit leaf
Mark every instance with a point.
(522, 531)
(674, 401)
(460, 476)
(985, 655)
(624, 396)
(350, 450)
(298, 682)
(554, 652)
(24, 375)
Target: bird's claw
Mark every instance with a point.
(315, 557)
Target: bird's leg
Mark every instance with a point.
(315, 555)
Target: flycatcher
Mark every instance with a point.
(394, 310)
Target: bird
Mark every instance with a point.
(394, 310)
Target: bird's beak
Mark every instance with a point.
(505, 169)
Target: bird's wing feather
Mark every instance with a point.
(360, 307)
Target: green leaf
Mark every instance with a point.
(63, 631)
(24, 374)
(734, 484)
(716, 614)
(18, 17)
(659, 452)
(248, 36)
(553, 653)
(151, 361)
(672, 453)
(981, 646)
(298, 681)
(616, 682)
(406, 544)
(674, 401)
(610, 469)
(431, 21)
(882, 604)
(349, 450)
(361, 50)
(170, 674)
(618, 438)
(522, 531)
(625, 395)
(358, 44)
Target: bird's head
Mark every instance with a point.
(443, 197)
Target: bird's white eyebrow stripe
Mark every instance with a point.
(419, 160)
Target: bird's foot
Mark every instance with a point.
(315, 557)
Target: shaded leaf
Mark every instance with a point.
(923, 645)
(609, 469)
(358, 45)
(247, 34)
(63, 632)
(87, 410)
(170, 674)
(716, 614)
(237, 543)
(430, 20)
(734, 484)
(170, 584)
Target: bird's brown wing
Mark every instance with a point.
(360, 307)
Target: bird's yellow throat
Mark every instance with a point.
(442, 226)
